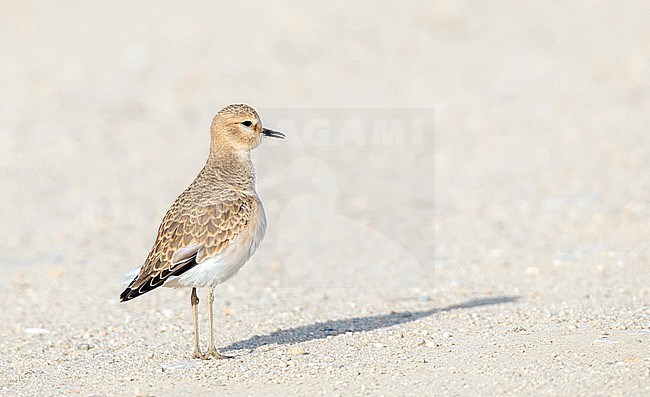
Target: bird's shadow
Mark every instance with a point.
(324, 329)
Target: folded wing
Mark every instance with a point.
(188, 235)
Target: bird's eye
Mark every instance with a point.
(246, 123)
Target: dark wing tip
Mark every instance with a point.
(128, 294)
(157, 280)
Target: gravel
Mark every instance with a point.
(503, 253)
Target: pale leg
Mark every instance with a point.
(212, 351)
(195, 315)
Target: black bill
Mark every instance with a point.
(271, 133)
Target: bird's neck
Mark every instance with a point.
(233, 168)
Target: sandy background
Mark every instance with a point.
(503, 253)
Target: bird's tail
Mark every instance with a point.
(130, 275)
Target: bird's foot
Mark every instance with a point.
(198, 354)
(212, 352)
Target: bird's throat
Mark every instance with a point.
(233, 168)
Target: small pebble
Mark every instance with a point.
(297, 351)
(37, 331)
(83, 346)
(179, 365)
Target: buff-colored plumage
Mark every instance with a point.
(216, 224)
(208, 222)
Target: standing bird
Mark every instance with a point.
(215, 225)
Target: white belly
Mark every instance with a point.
(219, 268)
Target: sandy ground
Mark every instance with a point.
(500, 248)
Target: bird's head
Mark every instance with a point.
(239, 127)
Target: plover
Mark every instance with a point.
(215, 225)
